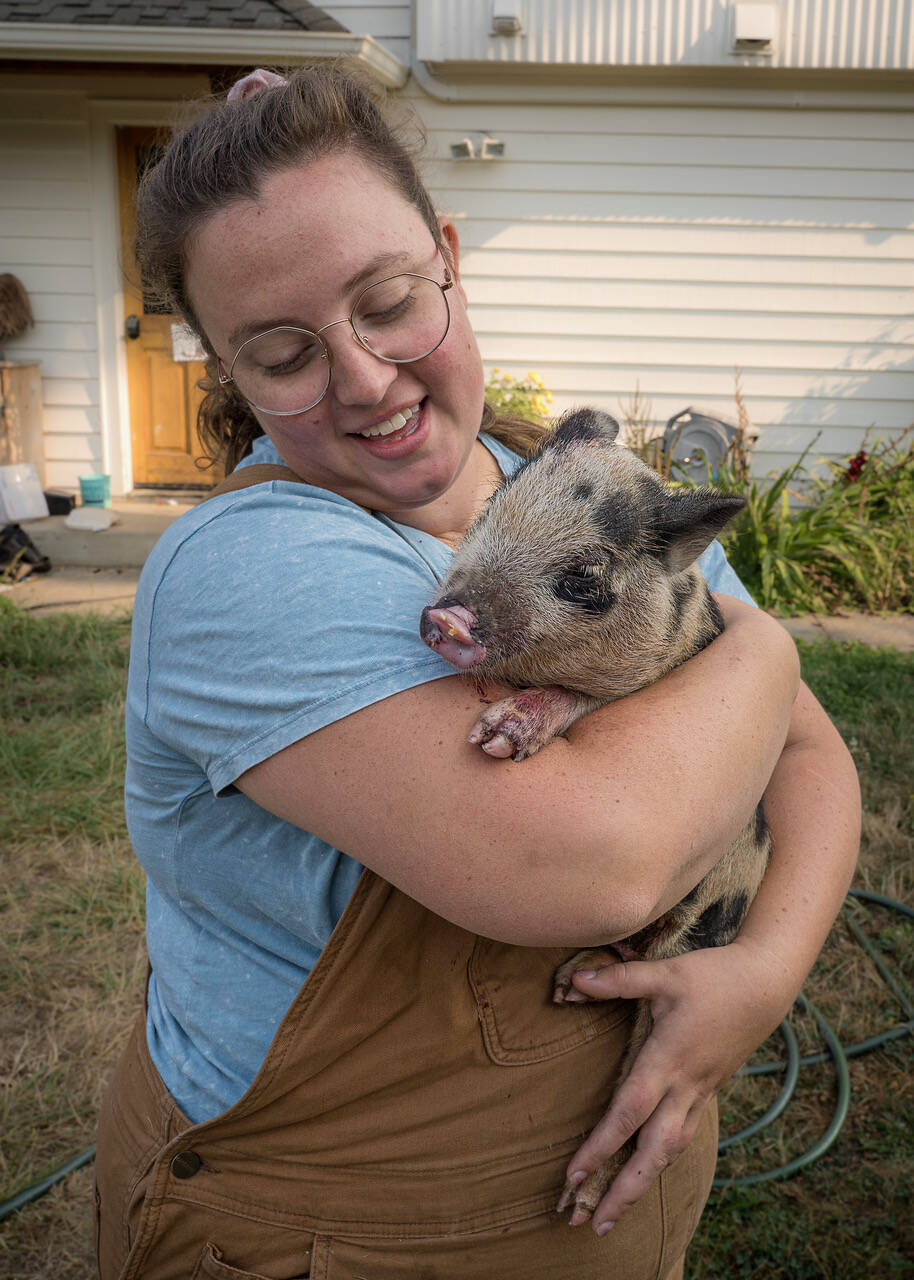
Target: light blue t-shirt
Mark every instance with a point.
(261, 616)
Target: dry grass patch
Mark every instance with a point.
(72, 960)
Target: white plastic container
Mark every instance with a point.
(21, 494)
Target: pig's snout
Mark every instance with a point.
(446, 629)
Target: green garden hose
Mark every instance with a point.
(37, 1189)
(837, 1052)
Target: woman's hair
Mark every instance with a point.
(227, 155)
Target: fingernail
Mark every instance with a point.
(604, 1228)
(585, 973)
(578, 1217)
(577, 1177)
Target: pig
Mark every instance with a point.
(578, 584)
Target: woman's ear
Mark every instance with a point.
(451, 241)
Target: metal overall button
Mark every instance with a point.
(185, 1164)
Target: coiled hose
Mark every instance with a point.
(837, 1052)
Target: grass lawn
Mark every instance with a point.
(72, 965)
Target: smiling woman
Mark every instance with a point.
(350, 1062)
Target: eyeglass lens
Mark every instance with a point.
(288, 370)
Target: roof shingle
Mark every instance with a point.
(290, 15)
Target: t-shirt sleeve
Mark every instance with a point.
(719, 574)
(276, 616)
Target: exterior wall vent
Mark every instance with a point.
(754, 28)
(507, 19)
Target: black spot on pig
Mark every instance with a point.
(583, 492)
(761, 826)
(683, 591)
(718, 924)
(618, 519)
(586, 586)
(713, 619)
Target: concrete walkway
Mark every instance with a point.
(96, 571)
(99, 571)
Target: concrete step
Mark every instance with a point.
(125, 545)
(70, 589)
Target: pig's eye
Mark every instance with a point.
(587, 586)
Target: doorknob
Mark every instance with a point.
(133, 326)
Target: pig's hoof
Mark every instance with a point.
(565, 991)
(512, 727)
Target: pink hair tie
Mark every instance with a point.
(253, 83)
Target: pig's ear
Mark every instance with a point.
(584, 424)
(689, 521)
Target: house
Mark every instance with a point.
(651, 195)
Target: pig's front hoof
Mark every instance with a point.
(517, 725)
(565, 991)
(498, 739)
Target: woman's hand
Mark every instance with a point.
(706, 1024)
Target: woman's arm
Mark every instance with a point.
(712, 1008)
(585, 842)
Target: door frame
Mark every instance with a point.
(105, 117)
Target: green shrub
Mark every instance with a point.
(845, 541)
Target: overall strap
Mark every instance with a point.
(257, 473)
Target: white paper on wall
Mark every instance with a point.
(185, 344)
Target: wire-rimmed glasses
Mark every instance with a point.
(287, 370)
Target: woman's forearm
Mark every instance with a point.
(813, 809)
(703, 744)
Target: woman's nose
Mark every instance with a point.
(358, 376)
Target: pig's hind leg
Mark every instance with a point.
(584, 1197)
(517, 726)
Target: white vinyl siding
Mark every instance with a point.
(46, 240)
(613, 246)
(664, 248)
(389, 23)
(860, 35)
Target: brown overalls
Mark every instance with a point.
(413, 1117)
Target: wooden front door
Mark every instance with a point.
(164, 396)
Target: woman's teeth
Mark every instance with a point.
(392, 424)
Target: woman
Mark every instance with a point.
(413, 1107)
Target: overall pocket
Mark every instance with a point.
(520, 1023)
(212, 1265)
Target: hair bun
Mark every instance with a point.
(252, 83)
